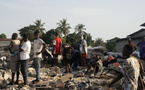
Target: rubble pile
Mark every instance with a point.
(5, 78)
(55, 78)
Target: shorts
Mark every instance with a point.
(84, 55)
(14, 65)
(55, 56)
(66, 61)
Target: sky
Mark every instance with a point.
(104, 19)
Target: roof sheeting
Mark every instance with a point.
(136, 32)
(143, 24)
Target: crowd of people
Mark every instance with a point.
(130, 69)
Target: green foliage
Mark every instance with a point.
(63, 40)
(3, 35)
(63, 30)
(49, 36)
(111, 44)
(72, 39)
(89, 39)
(79, 29)
(99, 42)
(64, 27)
(29, 30)
(39, 26)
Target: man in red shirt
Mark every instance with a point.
(56, 48)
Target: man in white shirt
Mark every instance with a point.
(39, 47)
(24, 56)
(83, 50)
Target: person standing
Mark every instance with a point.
(67, 56)
(39, 47)
(129, 42)
(83, 50)
(24, 57)
(56, 48)
(76, 56)
(15, 60)
(141, 45)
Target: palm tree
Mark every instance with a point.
(99, 42)
(80, 29)
(39, 26)
(64, 27)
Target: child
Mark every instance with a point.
(67, 56)
(97, 66)
(15, 60)
(76, 56)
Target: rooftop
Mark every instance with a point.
(143, 24)
(137, 32)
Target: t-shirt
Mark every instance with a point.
(15, 49)
(67, 51)
(38, 45)
(77, 47)
(16, 44)
(57, 43)
(83, 43)
(26, 47)
(131, 72)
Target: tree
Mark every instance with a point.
(29, 30)
(111, 44)
(72, 39)
(89, 39)
(49, 36)
(64, 27)
(39, 26)
(80, 30)
(3, 35)
(99, 42)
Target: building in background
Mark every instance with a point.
(135, 37)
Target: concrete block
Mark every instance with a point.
(66, 77)
(60, 83)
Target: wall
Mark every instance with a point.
(120, 44)
(4, 43)
(140, 34)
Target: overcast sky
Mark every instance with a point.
(102, 18)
